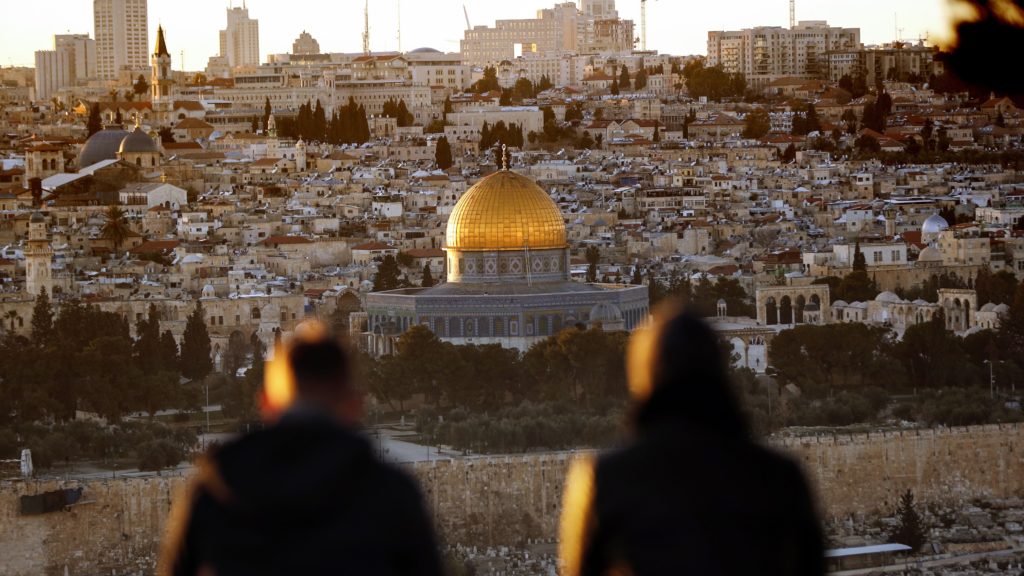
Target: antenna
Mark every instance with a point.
(792, 14)
(366, 28)
(466, 12)
(399, 26)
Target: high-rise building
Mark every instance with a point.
(52, 73)
(73, 60)
(240, 41)
(122, 35)
(767, 53)
(563, 28)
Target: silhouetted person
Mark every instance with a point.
(305, 495)
(690, 493)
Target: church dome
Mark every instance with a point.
(138, 142)
(506, 211)
(101, 146)
(934, 224)
(426, 50)
(37, 217)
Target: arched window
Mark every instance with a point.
(255, 313)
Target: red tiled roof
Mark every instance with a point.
(373, 246)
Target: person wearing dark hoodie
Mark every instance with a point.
(690, 492)
(303, 496)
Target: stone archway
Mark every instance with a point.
(786, 304)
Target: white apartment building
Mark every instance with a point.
(240, 41)
(122, 36)
(72, 61)
(766, 53)
(53, 72)
(430, 67)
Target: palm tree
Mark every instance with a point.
(116, 227)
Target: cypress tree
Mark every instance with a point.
(428, 277)
(95, 123)
(909, 530)
(443, 153)
(195, 346)
(42, 319)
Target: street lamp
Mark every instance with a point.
(991, 378)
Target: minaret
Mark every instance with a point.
(273, 144)
(300, 155)
(38, 257)
(160, 77)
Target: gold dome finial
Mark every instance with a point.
(504, 157)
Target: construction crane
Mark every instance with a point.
(366, 28)
(643, 25)
(792, 14)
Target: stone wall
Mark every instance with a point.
(507, 501)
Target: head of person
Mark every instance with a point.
(322, 372)
(677, 373)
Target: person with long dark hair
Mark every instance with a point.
(691, 492)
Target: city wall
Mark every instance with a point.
(507, 501)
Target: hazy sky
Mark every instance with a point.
(674, 26)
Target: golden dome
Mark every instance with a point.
(505, 211)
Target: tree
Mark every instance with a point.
(268, 110)
(757, 124)
(614, 90)
(858, 286)
(236, 354)
(909, 530)
(428, 277)
(789, 155)
(196, 362)
(95, 122)
(488, 82)
(593, 255)
(640, 82)
(523, 89)
(116, 227)
(42, 319)
(387, 276)
(624, 78)
(443, 153)
(140, 87)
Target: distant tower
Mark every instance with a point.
(160, 77)
(792, 14)
(300, 155)
(273, 144)
(38, 257)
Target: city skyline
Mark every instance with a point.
(878, 20)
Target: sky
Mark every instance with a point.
(674, 26)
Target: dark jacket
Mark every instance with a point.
(305, 496)
(690, 493)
